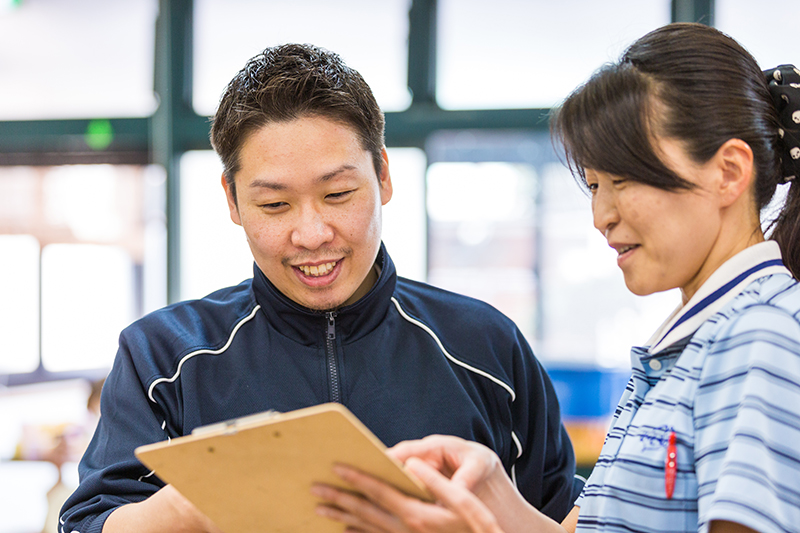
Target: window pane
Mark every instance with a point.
(19, 312)
(370, 36)
(102, 228)
(588, 315)
(214, 251)
(404, 217)
(87, 299)
(82, 58)
(483, 237)
(531, 53)
(758, 26)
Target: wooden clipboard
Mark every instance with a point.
(254, 474)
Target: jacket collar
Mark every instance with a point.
(309, 327)
(721, 287)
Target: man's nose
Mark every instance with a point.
(311, 229)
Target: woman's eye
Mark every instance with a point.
(592, 187)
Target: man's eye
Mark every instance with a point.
(274, 206)
(339, 195)
(592, 187)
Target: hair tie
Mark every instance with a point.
(784, 86)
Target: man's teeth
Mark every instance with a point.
(317, 270)
(625, 249)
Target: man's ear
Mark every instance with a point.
(234, 209)
(385, 178)
(734, 159)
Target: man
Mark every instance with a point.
(324, 319)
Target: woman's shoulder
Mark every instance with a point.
(764, 300)
(761, 324)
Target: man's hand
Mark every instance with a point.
(166, 510)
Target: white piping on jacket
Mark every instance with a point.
(198, 352)
(447, 354)
(468, 367)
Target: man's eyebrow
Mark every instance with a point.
(266, 184)
(330, 175)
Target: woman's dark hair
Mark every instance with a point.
(687, 82)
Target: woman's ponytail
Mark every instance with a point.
(784, 87)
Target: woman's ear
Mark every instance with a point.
(734, 160)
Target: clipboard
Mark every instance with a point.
(254, 474)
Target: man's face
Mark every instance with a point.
(310, 204)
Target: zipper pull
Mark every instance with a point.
(331, 325)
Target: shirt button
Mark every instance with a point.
(655, 364)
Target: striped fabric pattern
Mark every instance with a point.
(731, 395)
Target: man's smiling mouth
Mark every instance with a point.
(317, 270)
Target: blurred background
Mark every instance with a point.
(110, 202)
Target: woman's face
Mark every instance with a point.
(665, 239)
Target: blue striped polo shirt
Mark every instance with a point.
(722, 374)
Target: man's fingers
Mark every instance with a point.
(354, 510)
(381, 494)
(352, 522)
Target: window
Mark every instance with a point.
(589, 316)
(19, 312)
(483, 235)
(371, 37)
(77, 59)
(761, 27)
(523, 53)
(83, 255)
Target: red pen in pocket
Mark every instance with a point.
(671, 466)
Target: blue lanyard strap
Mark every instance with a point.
(708, 300)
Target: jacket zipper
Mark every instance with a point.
(330, 348)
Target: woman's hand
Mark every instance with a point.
(467, 479)
(386, 510)
(472, 465)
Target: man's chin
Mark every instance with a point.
(323, 306)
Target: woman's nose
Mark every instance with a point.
(604, 211)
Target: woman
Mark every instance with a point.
(681, 144)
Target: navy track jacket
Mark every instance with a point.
(407, 359)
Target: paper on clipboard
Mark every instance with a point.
(255, 473)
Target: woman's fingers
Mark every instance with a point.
(455, 497)
(465, 462)
(384, 509)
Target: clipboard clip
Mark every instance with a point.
(230, 427)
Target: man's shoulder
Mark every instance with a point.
(426, 294)
(200, 321)
(440, 305)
